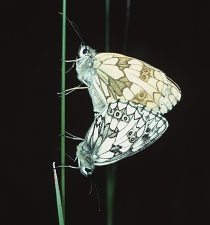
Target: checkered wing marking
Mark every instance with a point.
(122, 129)
(112, 76)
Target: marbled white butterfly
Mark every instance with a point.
(112, 76)
(120, 130)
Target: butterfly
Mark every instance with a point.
(112, 76)
(120, 130)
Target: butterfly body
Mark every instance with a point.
(120, 130)
(112, 76)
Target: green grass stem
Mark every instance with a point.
(112, 169)
(58, 197)
(63, 87)
(107, 16)
(110, 190)
(126, 26)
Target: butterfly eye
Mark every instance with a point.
(87, 170)
(117, 114)
(83, 51)
(125, 118)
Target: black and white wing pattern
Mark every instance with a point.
(122, 129)
(112, 76)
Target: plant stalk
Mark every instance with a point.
(63, 87)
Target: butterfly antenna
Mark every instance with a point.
(99, 205)
(91, 187)
(76, 29)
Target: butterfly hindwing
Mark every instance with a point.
(120, 130)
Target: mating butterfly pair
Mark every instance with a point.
(128, 97)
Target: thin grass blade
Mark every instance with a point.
(58, 197)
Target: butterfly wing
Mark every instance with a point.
(112, 76)
(121, 130)
(121, 77)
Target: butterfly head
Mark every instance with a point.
(85, 51)
(85, 161)
(86, 171)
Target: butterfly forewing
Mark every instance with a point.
(112, 76)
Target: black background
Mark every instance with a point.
(166, 184)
